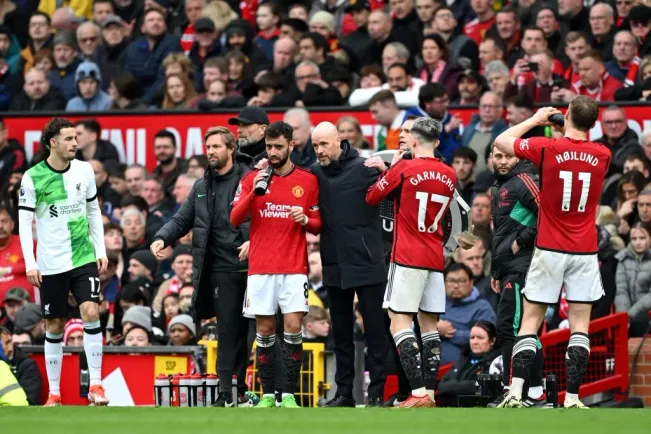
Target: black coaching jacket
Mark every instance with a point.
(210, 200)
(352, 250)
(515, 214)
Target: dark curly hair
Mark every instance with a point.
(53, 129)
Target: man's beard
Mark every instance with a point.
(218, 164)
(165, 160)
(243, 142)
(280, 163)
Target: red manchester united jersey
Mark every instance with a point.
(278, 244)
(425, 188)
(572, 174)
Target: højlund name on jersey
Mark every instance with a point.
(578, 156)
(430, 175)
(275, 211)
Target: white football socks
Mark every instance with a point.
(54, 360)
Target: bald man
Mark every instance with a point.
(352, 256)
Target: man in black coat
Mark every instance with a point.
(352, 255)
(515, 210)
(219, 255)
(24, 368)
(251, 122)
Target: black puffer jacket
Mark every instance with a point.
(352, 250)
(28, 376)
(211, 199)
(515, 212)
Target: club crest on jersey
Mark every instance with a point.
(524, 144)
(22, 191)
(78, 186)
(298, 191)
(504, 193)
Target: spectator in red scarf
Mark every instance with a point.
(477, 28)
(625, 64)
(268, 19)
(192, 13)
(436, 69)
(507, 24)
(623, 10)
(576, 45)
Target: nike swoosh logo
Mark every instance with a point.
(200, 195)
(48, 193)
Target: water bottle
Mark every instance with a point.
(196, 395)
(551, 387)
(212, 384)
(184, 391)
(162, 391)
(176, 380)
(263, 184)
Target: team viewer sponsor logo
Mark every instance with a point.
(273, 211)
(524, 144)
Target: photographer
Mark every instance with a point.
(541, 64)
(219, 254)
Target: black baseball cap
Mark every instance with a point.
(250, 115)
(204, 25)
(470, 73)
(358, 5)
(640, 14)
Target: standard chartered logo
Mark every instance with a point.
(60, 210)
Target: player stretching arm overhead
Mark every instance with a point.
(424, 188)
(572, 171)
(277, 259)
(61, 193)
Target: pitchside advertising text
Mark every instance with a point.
(133, 135)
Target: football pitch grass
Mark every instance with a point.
(115, 420)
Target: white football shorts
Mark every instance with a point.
(410, 290)
(550, 270)
(265, 293)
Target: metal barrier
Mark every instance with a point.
(608, 367)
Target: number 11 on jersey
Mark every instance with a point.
(424, 199)
(567, 178)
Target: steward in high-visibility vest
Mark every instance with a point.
(11, 394)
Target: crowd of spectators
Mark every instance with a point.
(133, 54)
(406, 58)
